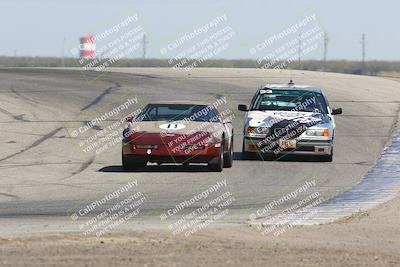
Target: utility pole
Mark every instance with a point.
(15, 57)
(62, 52)
(144, 45)
(326, 40)
(363, 53)
(300, 50)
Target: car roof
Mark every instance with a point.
(291, 87)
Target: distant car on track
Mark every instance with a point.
(289, 118)
(178, 132)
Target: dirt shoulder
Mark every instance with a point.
(371, 238)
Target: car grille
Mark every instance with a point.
(280, 131)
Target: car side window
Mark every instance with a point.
(253, 100)
(152, 112)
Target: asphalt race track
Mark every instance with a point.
(45, 176)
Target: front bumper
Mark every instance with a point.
(303, 147)
(163, 154)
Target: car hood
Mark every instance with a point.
(269, 118)
(176, 127)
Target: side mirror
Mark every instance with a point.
(242, 107)
(337, 111)
(129, 118)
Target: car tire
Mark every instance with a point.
(245, 154)
(327, 158)
(129, 164)
(228, 157)
(218, 164)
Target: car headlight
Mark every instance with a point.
(254, 131)
(318, 132)
(212, 141)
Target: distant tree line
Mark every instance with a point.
(340, 66)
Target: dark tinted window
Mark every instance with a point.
(176, 112)
(290, 100)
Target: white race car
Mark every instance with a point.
(289, 118)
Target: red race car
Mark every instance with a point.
(180, 133)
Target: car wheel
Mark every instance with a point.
(130, 164)
(245, 155)
(228, 157)
(217, 165)
(327, 158)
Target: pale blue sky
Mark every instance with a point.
(38, 27)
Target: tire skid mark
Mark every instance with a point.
(15, 117)
(83, 167)
(10, 196)
(142, 75)
(34, 144)
(79, 186)
(35, 134)
(95, 127)
(18, 165)
(27, 99)
(102, 95)
(33, 103)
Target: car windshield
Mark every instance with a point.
(290, 100)
(177, 112)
